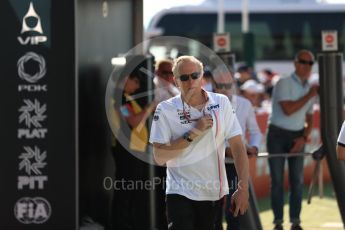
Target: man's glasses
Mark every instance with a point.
(223, 85)
(185, 77)
(304, 62)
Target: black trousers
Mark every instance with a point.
(184, 213)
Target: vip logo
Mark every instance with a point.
(31, 181)
(32, 113)
(41, 64)
(33, 40)
(32, 160)
(32, 13)
(35, 210)
(32, 23)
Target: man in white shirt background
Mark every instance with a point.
(164, 81)
(225, 84)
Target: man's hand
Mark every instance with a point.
(252, 151)
(204, 123)
(298, 145)
(239, 201)
(313, 91)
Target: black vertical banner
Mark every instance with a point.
(38, 115)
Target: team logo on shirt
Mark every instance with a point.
(156, 115)
(183, 118)
(212, 107)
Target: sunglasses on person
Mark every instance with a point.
(185, 77)
(223, 85)
(305, 62)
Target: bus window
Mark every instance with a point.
(263, 38)
(277, 36)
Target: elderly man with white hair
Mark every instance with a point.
(188, 133)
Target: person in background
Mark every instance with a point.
(224, 84)
(253, 91)
(341, 143)
(244, 73)
(290, 125)
(130, 206)
(267, 78)
(164, 81)
(188, 133)
(164, 89)
(207, 80)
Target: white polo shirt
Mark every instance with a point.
(247, 119)
(198, 173)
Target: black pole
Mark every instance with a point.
(331, 103)
(249, 49)
(152, 192)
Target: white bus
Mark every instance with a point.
(280, 28)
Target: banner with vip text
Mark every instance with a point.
(38, 115)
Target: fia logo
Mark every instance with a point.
(35, 210)
(31, 23)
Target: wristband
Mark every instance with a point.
(187, 137)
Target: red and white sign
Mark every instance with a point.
(329, 40)
(221, 42)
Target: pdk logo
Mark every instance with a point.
(31, 56)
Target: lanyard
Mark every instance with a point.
(184, 110)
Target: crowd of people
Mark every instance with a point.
(201, 116)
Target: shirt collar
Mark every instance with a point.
(298, 79)
(210, 99)
(179, 105)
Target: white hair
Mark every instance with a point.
(183, 59)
